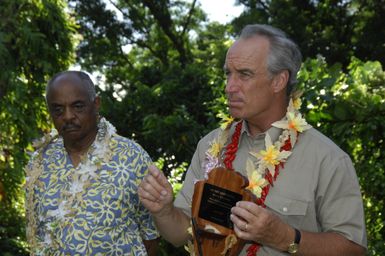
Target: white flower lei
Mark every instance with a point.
(98, 153)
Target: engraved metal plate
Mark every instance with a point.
(216, 204)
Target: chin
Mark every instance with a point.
(236, 115)
(73, 136)
(70, 139)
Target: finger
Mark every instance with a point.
(153, 170)
(158, 181)
(159, 176)
(145, 195)
(154, 183)
(242, 213)
(250, 207)
(240, 230)
(238, 222)
(241, 233)
(151, 189)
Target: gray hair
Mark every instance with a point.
(83, 76)
(284, 53)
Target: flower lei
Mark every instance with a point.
(268, 162)
(69, 200)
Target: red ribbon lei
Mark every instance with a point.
(230, 154)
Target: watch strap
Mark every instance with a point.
(297, 237)
(293, 247)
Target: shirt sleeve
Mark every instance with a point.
(339, 201)
(194, 173)
(184, 197)
(146, 224)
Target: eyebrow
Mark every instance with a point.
(241, 70)
(78, 101)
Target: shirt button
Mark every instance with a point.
(284, 209)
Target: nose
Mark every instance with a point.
(232, 84)
(68, 114)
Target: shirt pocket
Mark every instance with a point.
(292, 211)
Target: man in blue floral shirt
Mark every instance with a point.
(81, 184)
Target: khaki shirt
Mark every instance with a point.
(316, 191)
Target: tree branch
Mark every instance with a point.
(160, 11)
(190, 14)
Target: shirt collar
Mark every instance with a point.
(274, 132)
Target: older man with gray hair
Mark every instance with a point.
(308, 199)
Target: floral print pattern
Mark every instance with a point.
(99, 215)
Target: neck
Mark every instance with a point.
(256, 127)
(78, 148)
(263, 122)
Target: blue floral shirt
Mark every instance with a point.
(91, 209)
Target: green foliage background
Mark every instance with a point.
(158, 66)
(349, 107)
(35, 42)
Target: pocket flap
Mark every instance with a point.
(286, 206)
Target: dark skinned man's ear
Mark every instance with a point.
(97, 102)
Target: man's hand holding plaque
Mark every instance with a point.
(213, 199)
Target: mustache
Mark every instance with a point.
(70, 126)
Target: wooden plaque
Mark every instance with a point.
(211, 207)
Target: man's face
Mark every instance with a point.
(249, 91)
(73, 113)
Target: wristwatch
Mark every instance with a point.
(293, 247)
